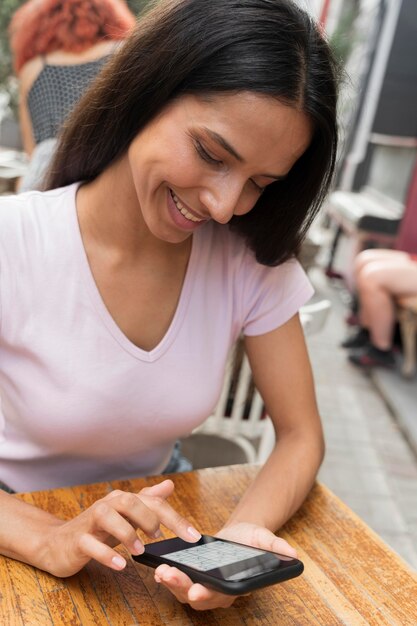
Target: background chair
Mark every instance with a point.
(239, 430)
(368, 218)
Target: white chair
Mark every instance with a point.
(313, 316)
(239, 431)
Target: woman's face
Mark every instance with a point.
(210, 158)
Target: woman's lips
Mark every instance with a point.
(182, 215)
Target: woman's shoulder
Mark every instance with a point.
(227, 255)
(13, 216)
(33, 68)
(10, 204)
(34, 224)
(94, 53)
(29, 73)
(228, 246)
(30, 204)
(265, 296)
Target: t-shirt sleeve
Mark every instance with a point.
(272, 295)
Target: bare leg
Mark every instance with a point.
(378, 283)
(377, 313)
(377, 254)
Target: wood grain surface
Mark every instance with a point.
(351, 577)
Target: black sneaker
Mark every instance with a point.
(360, 339)
(370, 356)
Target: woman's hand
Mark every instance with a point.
(201, 598)
(109, 522)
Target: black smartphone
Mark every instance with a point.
(226, 566)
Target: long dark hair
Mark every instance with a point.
(269, 47)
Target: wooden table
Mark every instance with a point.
(351, 577)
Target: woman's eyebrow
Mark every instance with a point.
(226, 145)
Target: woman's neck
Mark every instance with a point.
(110, 215)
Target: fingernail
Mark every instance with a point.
(157, 579)
(138, 546)
(193, 533)
(118, 561)
(157, 534)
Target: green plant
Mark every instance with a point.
(7, 81)
(136, 6)
(344, 38)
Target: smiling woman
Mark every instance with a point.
(182, 187)
(212, 157)
(268, 48)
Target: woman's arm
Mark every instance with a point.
(282, 373)
(27, 76)
(22, 529)
(25, 124)
(62, 548)
(283, 376)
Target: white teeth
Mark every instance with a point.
(183, 210)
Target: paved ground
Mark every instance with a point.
(369, 463)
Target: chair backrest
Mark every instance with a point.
(240, 414)
(239, 411)
(313, 316)
(407, 236)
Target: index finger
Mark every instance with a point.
(171, 518)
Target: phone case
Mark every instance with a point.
(238, 587)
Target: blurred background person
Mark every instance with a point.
(59, 47)
(380, 276)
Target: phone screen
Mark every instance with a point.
(229, 559)
(214, 554)
(222, 559)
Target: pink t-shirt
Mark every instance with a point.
(81, 403)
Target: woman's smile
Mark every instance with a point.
(217, 154)
(181, 214)
(185, 210)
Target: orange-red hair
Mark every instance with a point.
(43, 26)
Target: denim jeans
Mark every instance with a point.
(177, 462)
(6, 488)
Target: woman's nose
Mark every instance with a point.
(224, 200)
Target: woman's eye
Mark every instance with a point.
(205, 155)
(258, 188)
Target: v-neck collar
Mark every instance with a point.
(87, 276)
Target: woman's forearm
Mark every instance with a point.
(23, 530)
(282, 483)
